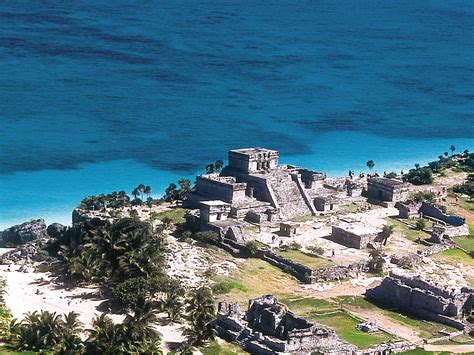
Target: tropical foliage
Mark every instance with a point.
(125, 249)
(201, 310)
(47, 331)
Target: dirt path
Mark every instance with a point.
(385, 322)
(457, 349)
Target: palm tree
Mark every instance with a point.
(452, 149)
(417, 166)
(210, 168)
(370, 164)
(147, 190)
(105, 337)
(219, 164)
(135, 192)
(201, 311)
(141, 189)
(387, 231)
(446, 154)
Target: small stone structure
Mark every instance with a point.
(408, 209)
(268, 327)
(386, 191)
(354, 235)
(368, 327)
(425, 299)
(288, 229)
(326, 203)
(212, 211)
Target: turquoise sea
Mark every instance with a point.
(102, 96)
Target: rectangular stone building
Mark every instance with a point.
(354, 235)
(386, 190)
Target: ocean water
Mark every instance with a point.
(101, 96)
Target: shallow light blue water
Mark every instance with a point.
(101, 97)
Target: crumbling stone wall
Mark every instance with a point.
(268, 327)
(435, 212)
(423, 298)
(24, 233)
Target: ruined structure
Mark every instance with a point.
(425, 299)
(386, 191)
(354, 235)
(268, 327)
(211, 211)
(288, 229)
(260, 190)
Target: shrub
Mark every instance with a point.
(227, 286)
(252, 247)
(376, 261)
(424, 196)
(420, 224)
(288, 269)
(420, 176)
(295, 246)
(316, 250)
(391, 175)
(131, 292)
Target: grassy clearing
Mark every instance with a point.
(409, 233)
(252, 229)
(215, 348)
(311, 261)
(7, 350)
(466, 242)
(305, 218)
(466, 203)
(176, 215)
(254, 278)
(423, 328)
(454, 256)
(350, 208)
(328, 313)
(345, 326)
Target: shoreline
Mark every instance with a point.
(60, 191)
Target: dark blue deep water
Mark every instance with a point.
(98, 96)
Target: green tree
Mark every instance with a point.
(185, 187)
(210, 168)
(252, 247)
(452, 149)
(376, 261)
(201, 311)
(171, 193)
(218, 165)
(420, 224)
(420, 176)
(387, 231)
(147, 190)
(370, 164)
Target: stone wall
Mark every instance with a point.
(435, 212)
(423, 298)
(268, 327)
(351, 239)
(334, 273)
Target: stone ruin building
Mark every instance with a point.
(355, 234)
(446, 225)
(430, 301)
(268, 327)
(259, 189)
(386, 191)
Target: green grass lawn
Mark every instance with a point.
(7, 350)
(175, 214)
(255, 278)
(454, 256)
(410, 233)
(350, 208)
(311, 261)
(420, 351)
(215, 348)
(345, 326)
(466, 203)
(328, 313)
(423, 328)
(306, 218)
(466, 242)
